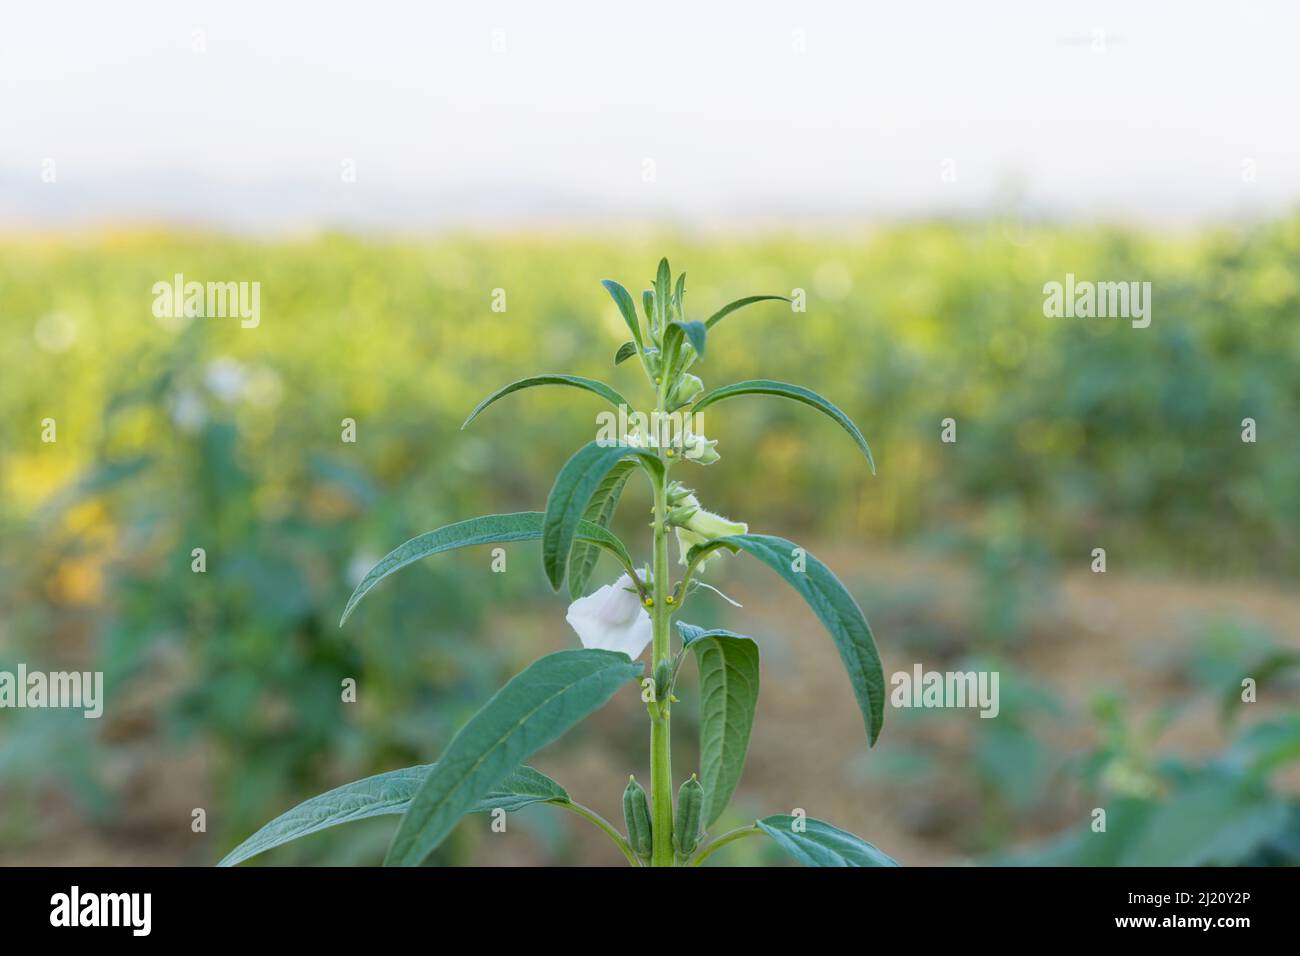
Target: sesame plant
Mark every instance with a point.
(483, 767)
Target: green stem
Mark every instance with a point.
(684, 584)
(591, 815)
(661, 773)
(729, 837)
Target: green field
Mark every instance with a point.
(1072, 434)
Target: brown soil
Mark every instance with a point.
(1118, 631)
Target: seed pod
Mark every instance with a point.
(636, 813)
(663, 679)
(686, 828)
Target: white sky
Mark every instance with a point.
(740, 125)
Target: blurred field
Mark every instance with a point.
(1072, 434)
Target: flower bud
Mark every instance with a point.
(700, 450)
(678, 493)
(636, 813)
(684, 390)
(686, 356)
(686, 828)
(679, 516)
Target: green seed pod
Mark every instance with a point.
(636, 812)
(663, 679)
(686, 828)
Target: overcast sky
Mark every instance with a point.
(248, 114)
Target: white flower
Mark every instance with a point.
(226, 378)
(702, 527)
(187, 411)
(612, 619)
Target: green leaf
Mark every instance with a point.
(625, 352)
(1126, 820)
(383, 794)
(625, 306)
(694, 332)
(679, 296)
(689, 632)
(797, 393)
(573, 488)
(577, 381)
(1263, 670)
(1265, 746)
(648, 306)
(604, 501)
(731, 307)
(728, 666)
(489, 529)
(674, 336)
(534, 709)
(821, 844)
(832, 604)
(663, 292)
(1215, 819)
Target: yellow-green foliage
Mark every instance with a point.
(1071, 433)
(1083, 424)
